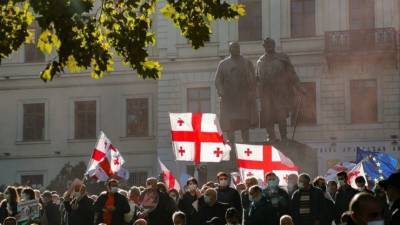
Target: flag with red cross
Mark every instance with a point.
(257, 160)
(197, 137)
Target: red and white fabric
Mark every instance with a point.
(358, 170)
(169, 179)
(197, 137)
(257, 160)
(235, 179)
(341, 166)
(106, 161)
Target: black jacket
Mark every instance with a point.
(53, 214)
(207, 212)
(244, 196)
(342, 200)
(121, 207)
(280, 200)
(83, 214)
(231, 197)
(317, 203)
(3, 210)
(261, 213)
(395, 213)
(185, 205)
(162, 214)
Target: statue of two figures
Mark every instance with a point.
(257, 97)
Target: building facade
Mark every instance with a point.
(346, 53)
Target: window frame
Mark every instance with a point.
(72, 117)
(261, 22)
(20, 120)
(124, 127)
(292, 35)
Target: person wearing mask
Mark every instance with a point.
(276, 195)
(179, 218)
(212, 207)
(174, 195)
(78, 206)
(392, 188)
(51, 214)
(187, 203)
(307, 203)
(343, 195)
(244, 196)
(332, 188)
(261, 211)
(329, 206)
(232, 217)
(365, 210)
(361, 185)
(226, 194)
(111, 206)
(8, 207)
(162, 213)
(134, 205)
(292, 184)
(56, 199)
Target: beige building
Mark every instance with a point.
(345, 52)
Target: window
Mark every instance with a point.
(364, 102)
(250, 25)
(302, 18)
(201, 172)
(199, 99)
(33, 122)
(362, 14)
(137, 117)
(32, 53)
(308, 112)
(85, 119)
(34, 180)
(138, 178)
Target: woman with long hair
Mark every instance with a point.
(8, 207)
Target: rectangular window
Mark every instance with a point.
(138, 178)
(250, 26)
(302, 18)
(32, 53)
(307, 114)
(33, 180)
(364, 101)
(362, 14)
(33, 122)
(137, 117)
(85, 119)
(199, 100)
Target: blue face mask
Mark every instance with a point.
(272, 183)
(207, 199)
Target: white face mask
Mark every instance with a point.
(149, 187)
(114, 189)
(223, 183)
(376, 222)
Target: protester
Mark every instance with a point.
(27, 194)
(8, 207)
(78, 206)
(365, 210)
(332, 188)
(111, 206)
(232, 217)
(187, 203)
(179, 218)
(56, 199)
(240, 187)
(174, 195)
(307, 203)
(140, 222)
(51, 214)
(343, 195)
(392, 189)
(286, 219)
(328, 210)
(261, 210)
(361, 185)
(277, 195)
(212, 207)
(292, 184)
(226, 194)
(134, 205)
(162, 187)
(249, 182)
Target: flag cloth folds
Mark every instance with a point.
(106, 161)
(197, 137)
(168, 178)
(257, 160)
(339, 167)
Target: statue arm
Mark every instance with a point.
(219, 80)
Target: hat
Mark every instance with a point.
(393, 180)
(215, 220)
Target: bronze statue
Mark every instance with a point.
(278, 87)
(235, 82)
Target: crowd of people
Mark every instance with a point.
(304, 201)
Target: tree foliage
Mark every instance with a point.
(86, 40)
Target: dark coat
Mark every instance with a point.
(261, 213)
(395, 213)
(83, 214)
(317, 203)
(185, 205)
(207, 212)
(328, 213)
(121, 207)
(53, 214)
(3, 210)
(280, 201)
(342, 200)
(162, 214)
(231, 197)
(244, 196)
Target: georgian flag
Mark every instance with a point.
(197, 137)
(168, 178)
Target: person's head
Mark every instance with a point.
(250, 181)
(320, 183)
(342, 178)
(151, 183)
(210, 196)
(240, 187)
(293, 179)
(223, 179)
(11, 194)
(391, 186)
(192, 184)
(210, 184)
(27, 194)
(112, 186)
(365, 208)
(174, 194)
(162, 187)
(272, 180)
(345, 217)
(269, 45)
(234, 49)
(332, 187)
(140, 222)
(10, 221)
(360, 182)
(47, 197)
(55, 198)
(304, 181)
(134, 194)
(37, 194)
(179, 218)
(255, 193)
(286, 220)
(232, 216)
